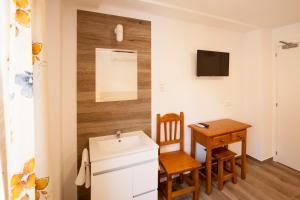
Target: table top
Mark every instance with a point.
(220, 127)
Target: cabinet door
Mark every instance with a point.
(148, 196)
(145, 178)
(116, 185)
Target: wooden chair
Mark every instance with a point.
(176, 162)
(224, 155)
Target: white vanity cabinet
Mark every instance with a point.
(131, 175)
(137, 182)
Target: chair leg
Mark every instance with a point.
(220, 175)
(169, 188)
(196, 184)
(233, 171)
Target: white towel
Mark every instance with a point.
(84, 171)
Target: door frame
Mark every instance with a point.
(275, 103)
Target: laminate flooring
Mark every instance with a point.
(265, 181)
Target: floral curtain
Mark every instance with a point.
(23, 105)
(4, 13)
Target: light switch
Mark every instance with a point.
(162, 87)
(227, 104)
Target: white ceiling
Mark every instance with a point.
(244, 14)
(262, 13)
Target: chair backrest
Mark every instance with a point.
(169, 123)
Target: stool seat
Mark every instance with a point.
(225, 155)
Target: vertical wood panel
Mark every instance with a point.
(96, 30)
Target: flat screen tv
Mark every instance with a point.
(212, 63)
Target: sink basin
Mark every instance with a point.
(105, 147)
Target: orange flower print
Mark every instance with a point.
(21, 3)
(37, 195)
(25, 197)
(41, 183)
(17, 190)
(40, 186)
(16, 179)
(20, 182)
(22, 17)
(29, 166)
(36, 50)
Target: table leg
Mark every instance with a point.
(244, 159)
(193, 145)
(208, 169)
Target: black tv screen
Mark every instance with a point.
(212, 63)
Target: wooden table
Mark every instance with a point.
(220, 133)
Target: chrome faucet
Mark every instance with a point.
(118, 134)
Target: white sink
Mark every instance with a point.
(105, 147)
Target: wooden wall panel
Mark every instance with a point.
(96, 30)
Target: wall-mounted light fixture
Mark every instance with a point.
(119, 32)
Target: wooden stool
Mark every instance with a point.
(224, 155)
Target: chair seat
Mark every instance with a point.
(223, 154)
(177, 162)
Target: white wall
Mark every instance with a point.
(258, 97)
(175, 86)
(244, 95)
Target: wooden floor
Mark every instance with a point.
(265, 181)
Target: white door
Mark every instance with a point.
(288, 110)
